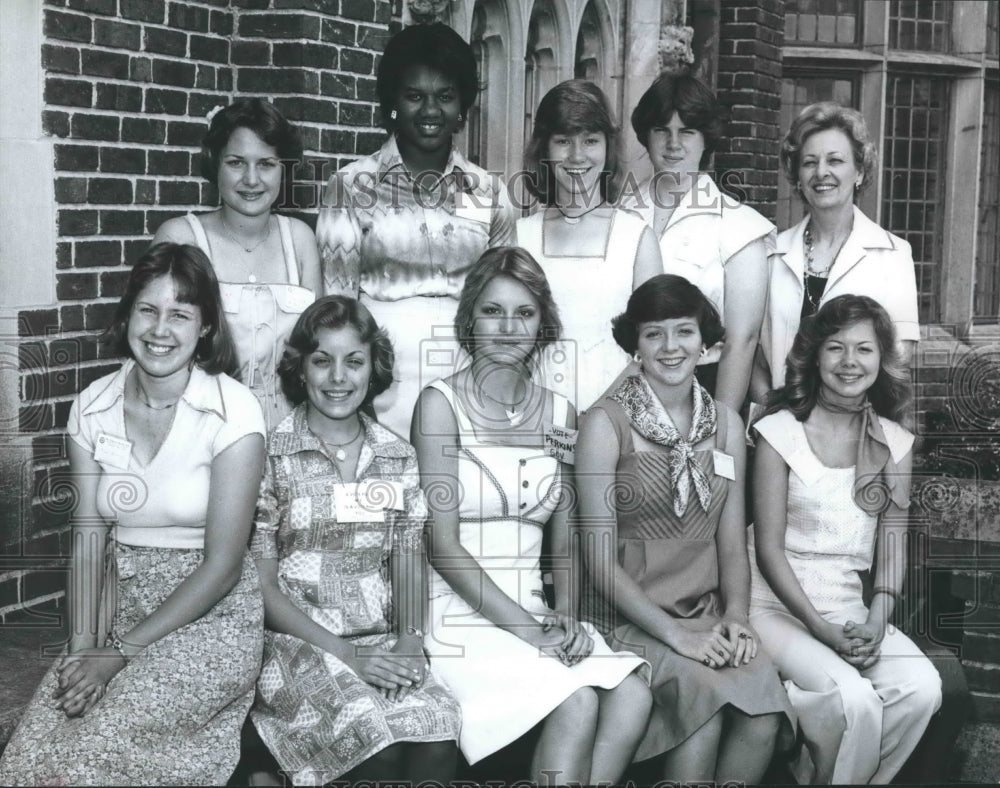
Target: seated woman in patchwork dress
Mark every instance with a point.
(345, 689)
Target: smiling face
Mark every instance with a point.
(250, 173)
(428, 107)
(577, 162)
(669, 350)
(828, 175)
(506, 321)
(849, 363)
(337, 372)
(163, 332)
(674, 147)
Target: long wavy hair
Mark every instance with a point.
(889, 394)
(519, 265)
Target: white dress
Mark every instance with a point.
(589, 292)
(858, 726)
(504, 685)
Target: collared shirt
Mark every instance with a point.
(296, 508)
(704, 231)
(394, 235)
(165, 502)
(873, 262)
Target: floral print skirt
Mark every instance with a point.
(173, 715)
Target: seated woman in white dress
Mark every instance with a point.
(831, 492)
(482, 437)
(165, 605)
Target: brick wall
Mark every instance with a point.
(749, 83)
(127, 85)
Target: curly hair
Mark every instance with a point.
(194, 283)
(889, 394)
(820, 117)
(436, 46)
(666, 297)
(263, 119)
(519, 265)
(572, 107)
(335, 312)
(690, 98)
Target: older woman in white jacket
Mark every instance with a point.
(835, 249)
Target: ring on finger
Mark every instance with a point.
(743, 636)
(707, 661)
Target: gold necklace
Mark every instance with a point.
(341, 454)
(144, 399)
(512, 410)
(575, 219)
(251, 277)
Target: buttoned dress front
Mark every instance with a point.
(316, 715)
(403, 243)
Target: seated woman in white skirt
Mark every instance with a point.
(493, 489)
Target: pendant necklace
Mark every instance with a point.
(341, 448)
(512, 411)
(251, 277)
(575, 219)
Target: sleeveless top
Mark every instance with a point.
(673, 559)
(508, 493)
(589, 291)
(260, 316)
(829, 539)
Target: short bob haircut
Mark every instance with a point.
(666, 297)
(335, 312)
(820, 117)
(435, 46)
(690, 98)
(194, 283)
(264, 120)
(890, 393)
(519, 265)
(572, 107)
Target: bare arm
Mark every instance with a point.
(565, 552)
(648, 262)
(434, 434)
(175, 230)
(745, 295)
(307, 255)
(90, 537)
(597, 453)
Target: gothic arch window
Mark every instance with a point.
(489, 38)
(541, 59)
(595, 48)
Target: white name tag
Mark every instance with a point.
(366, 502)
(560, 442)
(725, 465)
(113, 451)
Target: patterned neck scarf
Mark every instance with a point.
(876, 478)
(646, 414)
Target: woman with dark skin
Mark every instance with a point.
(400, 229)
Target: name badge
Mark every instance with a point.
(473, 212)
(113, 451)
(366, 502)
(560, 442)
(724, 464)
